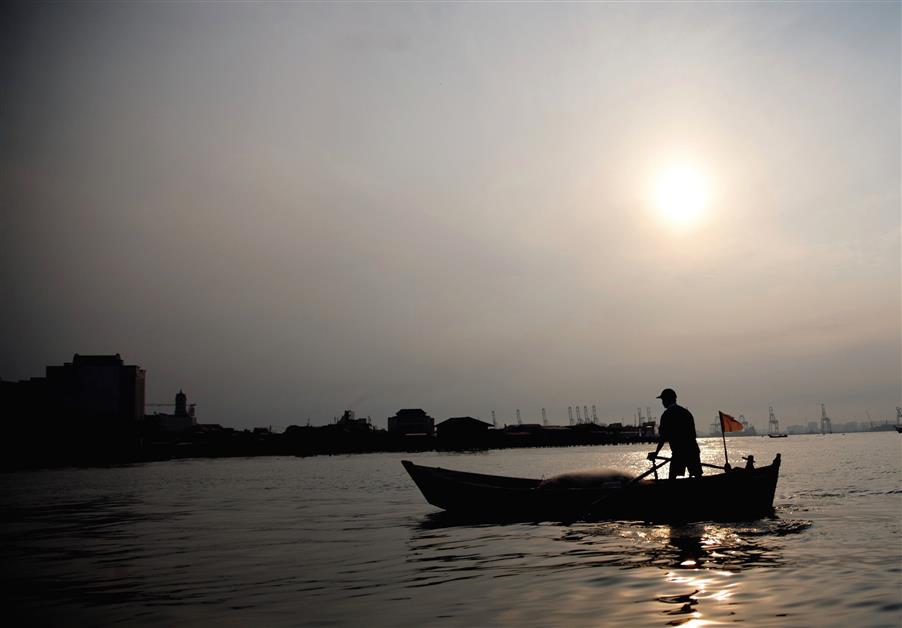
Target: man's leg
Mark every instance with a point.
(695, 466)
(696, 470)
(677, 468)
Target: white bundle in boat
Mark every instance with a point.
(598, 478)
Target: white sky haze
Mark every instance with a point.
(288, 210)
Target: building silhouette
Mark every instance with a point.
(350, 423)
(91, 389)
(409, 421)
(94, 389)
(463, 429)
(181, 404)
(180, 420)
(89, 410)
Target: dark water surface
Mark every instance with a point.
(349, 540)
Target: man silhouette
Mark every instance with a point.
(678, 429)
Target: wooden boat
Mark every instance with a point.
(739, 494)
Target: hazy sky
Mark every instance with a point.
(292, 209)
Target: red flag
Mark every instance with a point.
(729, 424)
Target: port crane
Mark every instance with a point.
(773, 426)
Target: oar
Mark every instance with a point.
(654, 468)
(666, 459)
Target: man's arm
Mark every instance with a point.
(658, 448)
(661, 440)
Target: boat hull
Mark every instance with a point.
(738, 495)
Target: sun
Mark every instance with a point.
(681, 194)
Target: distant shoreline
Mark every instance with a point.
(247, 444)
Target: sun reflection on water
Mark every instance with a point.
(676, 575)
(700, 563)
(705, 559)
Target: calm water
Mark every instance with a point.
(349, 540)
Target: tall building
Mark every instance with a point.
(96, 388)
(181, 403)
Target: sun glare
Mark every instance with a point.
(681, 195)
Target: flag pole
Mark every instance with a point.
(723, 435)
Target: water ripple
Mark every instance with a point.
(329, 541)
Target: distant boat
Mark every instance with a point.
(740, 494)
(777, 435)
